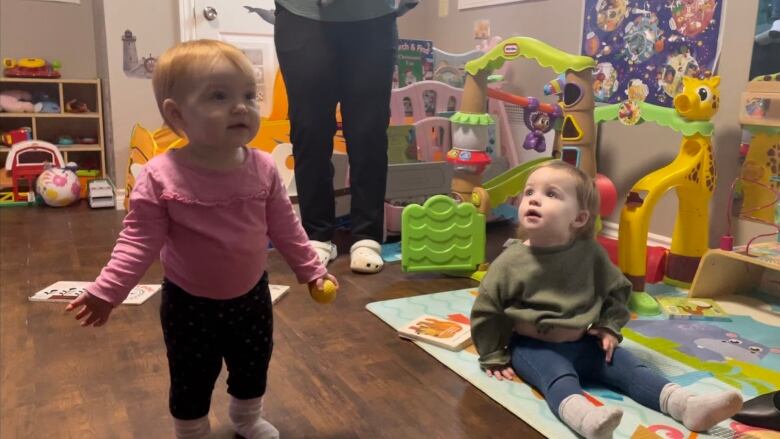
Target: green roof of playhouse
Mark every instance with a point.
(546, 55)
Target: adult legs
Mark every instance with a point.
(308, 60)
(367, 52)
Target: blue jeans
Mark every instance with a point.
(555, 370)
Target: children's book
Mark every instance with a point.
(438, 331)
(65, 291)
(415, 62)
(277, 291)
(692, 308)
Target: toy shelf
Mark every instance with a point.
(52, 127)
(724, 272)
(44, 115)
(64, 149)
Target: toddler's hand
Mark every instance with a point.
(608, 340)
(501, 373)
(94, 308)
(319, 283)
(324, 289)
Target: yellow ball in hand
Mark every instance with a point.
(326, 294)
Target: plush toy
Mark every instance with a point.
(76, 106)
(45, 104)
(16, 101)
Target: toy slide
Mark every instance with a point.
(510, 183)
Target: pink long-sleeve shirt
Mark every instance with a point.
(210, 228)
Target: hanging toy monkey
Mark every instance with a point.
(539, 123)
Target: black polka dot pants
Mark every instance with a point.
(200, 332)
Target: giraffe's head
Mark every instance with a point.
(699, 99)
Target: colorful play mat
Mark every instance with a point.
(707, 356)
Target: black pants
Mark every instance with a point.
(200, 332)
(324, 63)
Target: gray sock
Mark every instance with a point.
(192, 428)
(588, 420)
(247, 420)
(699, 412)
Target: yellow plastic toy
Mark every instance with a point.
(326, 295)
(692, 174)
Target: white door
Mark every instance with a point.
(240, 24)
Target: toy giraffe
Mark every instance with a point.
(692, 174)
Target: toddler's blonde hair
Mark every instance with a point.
(177, 66)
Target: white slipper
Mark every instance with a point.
(366, 256)
(774, 31)
(764, 38)
(327, 251)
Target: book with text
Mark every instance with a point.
(414, 62)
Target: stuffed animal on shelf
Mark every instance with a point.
(76, 106)
(16, 101)
(45, 104)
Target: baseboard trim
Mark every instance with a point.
(610, 230)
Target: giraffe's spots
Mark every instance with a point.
(694, 175)
(772, 158)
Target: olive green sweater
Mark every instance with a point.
(571, 287)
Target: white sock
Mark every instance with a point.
(247, 420)
(588, 420)
(192, 428)
(699, 412)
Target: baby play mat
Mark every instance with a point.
(707, 356)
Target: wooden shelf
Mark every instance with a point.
(49, 81)
(52, 125)
(37, 115)
(76, 147)
(728, 272)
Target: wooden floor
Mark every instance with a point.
(337, 370)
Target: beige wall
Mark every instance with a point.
(410, 25)
(131, 100)
(625, 153)
(49, 30)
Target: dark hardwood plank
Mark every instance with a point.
(337, 371)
